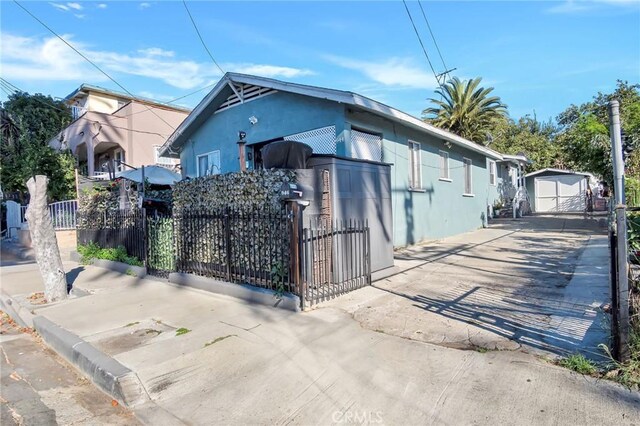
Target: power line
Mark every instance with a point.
(200, 37)
(421, 43)
(9, 88)
(85, 58)
(433, 37)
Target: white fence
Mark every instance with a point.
(63, 215)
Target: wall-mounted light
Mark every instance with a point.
(253, 120)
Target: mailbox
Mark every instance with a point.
(290, 191)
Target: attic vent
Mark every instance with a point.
(244, 93)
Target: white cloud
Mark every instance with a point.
(269, 70)
(144, 5)
(102, 6)
(72, 7)
(25, 58)
(156, 51)
(42, 59)
(579, 6)
(397, 72)
(60, 6)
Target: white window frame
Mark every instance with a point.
(467, 165)
(209, 155)
(118, 166)
(415, 147)
(493, 173)
(162, 160)
(445, 171)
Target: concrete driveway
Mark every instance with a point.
(535, 284)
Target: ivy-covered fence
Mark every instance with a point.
(232, 227)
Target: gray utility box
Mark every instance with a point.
(357, 189)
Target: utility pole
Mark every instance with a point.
(622, 287)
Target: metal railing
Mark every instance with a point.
(63, 214)
(77, 112)
(336, 259)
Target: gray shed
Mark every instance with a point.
(557, 191)
(358, 189)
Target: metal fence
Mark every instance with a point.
(242, 247)
(112, 229)
(336, 259)
(63, 214)
(237, 246)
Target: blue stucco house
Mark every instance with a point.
(441, 184)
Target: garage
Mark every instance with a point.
(557, 191)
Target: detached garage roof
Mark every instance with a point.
(206, 107)
(558, 172)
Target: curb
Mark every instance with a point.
(245, 292)
(108, 374)
(15, 310)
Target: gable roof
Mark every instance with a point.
(557, 171)
(86, 88)
(197, 116)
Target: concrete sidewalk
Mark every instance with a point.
(248, 364)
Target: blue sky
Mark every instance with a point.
(540, 56)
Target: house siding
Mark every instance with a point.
(441, 210)
(279, 114)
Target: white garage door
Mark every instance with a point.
(562, 193)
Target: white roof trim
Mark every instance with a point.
(558, 171)
(340, 96)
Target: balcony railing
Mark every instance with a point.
(77, 112)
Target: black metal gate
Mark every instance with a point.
(336, 259)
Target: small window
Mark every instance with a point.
(444, 165)
(415, 166)
(468, 183)
(492, 172)
(209, 163)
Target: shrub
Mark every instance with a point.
(91, 251)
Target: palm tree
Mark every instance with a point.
(465, 109)
(9, 129)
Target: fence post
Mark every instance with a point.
(623, 283)
(227, 237)
(613, 273)
(145, 238)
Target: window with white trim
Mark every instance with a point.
(118, 157)
(415, 166)
(468, 183)
(209, 163)
(444, 165)
(492, 172)
(161, 160)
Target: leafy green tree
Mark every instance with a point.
(28, 124)
(583, 135)
(530, 137)
(466, 109)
